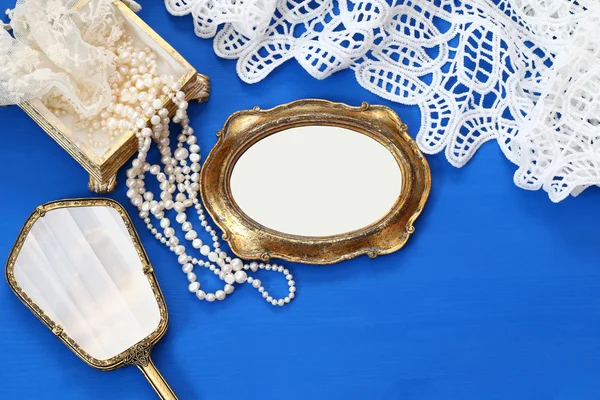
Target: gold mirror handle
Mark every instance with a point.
(139, 355)
(157, 381)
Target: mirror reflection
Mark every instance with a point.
(80, 266)
(321, 181)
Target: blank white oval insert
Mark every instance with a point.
(316, 181)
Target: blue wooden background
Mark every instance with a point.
(494, 297)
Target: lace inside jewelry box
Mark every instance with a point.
(166, 65)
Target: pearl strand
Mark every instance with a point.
(138, 95)
(133, 84)
(184, 179)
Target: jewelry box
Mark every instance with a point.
(103, 163)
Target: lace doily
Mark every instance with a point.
(59, 45)
(522, 72)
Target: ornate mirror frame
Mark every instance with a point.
(138, 354)
(250, 240)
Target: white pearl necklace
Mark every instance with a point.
(139, 92)
(134, 83)
(184, 179)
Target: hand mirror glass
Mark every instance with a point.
(80, 268)
(315, 182)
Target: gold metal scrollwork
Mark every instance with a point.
(139, 355)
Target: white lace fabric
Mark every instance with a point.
(56, 45)
(559, 141)
(522, 72)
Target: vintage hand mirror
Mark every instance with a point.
(80, 268)
(315, 182)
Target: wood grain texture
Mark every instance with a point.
(495, 297)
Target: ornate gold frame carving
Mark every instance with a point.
(138, 354)
(250, 240)
(103, 169)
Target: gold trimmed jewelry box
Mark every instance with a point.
(103, 163)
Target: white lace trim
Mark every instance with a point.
(55, 45)
(522, 72)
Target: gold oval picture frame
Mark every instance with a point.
(250, 240)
